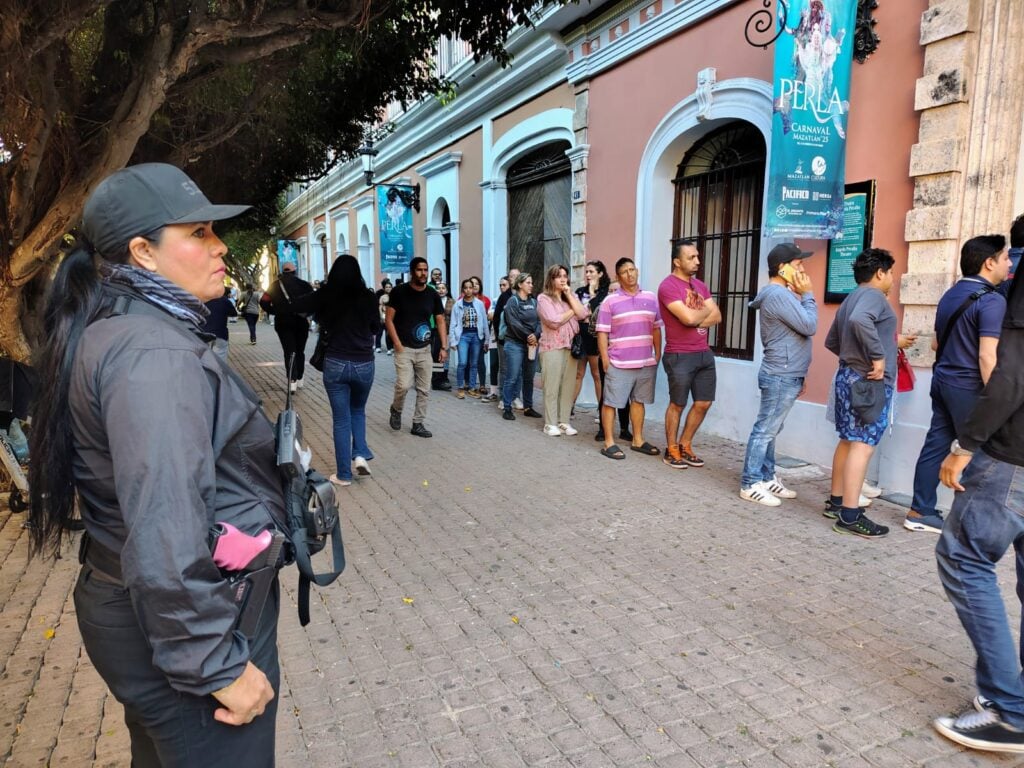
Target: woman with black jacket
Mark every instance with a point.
(347, 312)
(157, 440)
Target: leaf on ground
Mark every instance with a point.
(49, 634)
(515, 619)
(408, 600)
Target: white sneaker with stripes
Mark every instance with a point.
(760, 494)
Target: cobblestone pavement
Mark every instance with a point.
(513, 599)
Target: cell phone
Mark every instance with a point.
(787, 272)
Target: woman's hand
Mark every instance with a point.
(905, 340)
(245, 699)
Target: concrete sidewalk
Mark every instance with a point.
(513, 599)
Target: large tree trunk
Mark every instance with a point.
(12, 339)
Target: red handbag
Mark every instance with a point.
(905, 376)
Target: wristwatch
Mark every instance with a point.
(956, 450)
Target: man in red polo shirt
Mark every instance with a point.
(688, 311)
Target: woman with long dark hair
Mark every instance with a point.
(155, 441)
(591, 293)
(347, 311)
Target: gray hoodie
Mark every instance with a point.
(787, 325)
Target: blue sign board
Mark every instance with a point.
(396, 229)
(287, 253)
(811, 99)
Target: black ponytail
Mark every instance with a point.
(74, 301)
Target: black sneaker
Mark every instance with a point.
(625, 434)
(531, 413)
(862, 527)
(420, 431)
(507, 415)
(831, 510)
(981, 730)
(396, 420)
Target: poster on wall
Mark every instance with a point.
(810, 102)
(853, 237)
(287, 253)
(396, 229)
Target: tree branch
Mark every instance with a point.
(58, 25)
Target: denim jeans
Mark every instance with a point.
(950, 408)
(778, 393)
(469, 356)
(348, 388)
(986, 519)
(518, 375)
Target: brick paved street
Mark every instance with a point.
(513, 599)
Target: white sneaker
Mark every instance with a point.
(759, 493)
(870, 491)
(776, 488)
(299, 383)
(517, 403)
(291, 387)
(362, 467)
(567, 430)
(864, 501)
(391, 351)
(340, 483)
(552, 430)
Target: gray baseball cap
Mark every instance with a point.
(142, 198)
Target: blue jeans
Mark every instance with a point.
(778, 393)
(950, 408)
(348, 388)
(519, 374)
(469, 356)
(986, 519)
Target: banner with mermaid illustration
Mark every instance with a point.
(396, 228)
(811, 99)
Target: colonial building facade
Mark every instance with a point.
(621, 127)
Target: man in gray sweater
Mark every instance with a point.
(789, 319)
(863, 336)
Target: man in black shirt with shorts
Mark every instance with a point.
(407, 320)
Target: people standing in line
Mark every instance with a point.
(986, 520)
(154, 440)
(499, 308)
(629, 340)
(863, 337)
(221, 310)
(439, 379)
(481, 363)
(968, 323)
(347, 311)
(467, 333)
(250, 306)
(292, 327)
(383, 297)
(411, 307)
(522, 340)
(439, 375)
(789, 320)
(688, 311)
(560, 312)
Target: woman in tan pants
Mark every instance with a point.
(560, 312)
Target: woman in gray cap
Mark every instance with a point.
(157, 440)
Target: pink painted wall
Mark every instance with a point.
(628, 102)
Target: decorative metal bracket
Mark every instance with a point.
(762, 21)
(410, 199)
(865, 40)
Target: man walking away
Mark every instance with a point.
(968, 321)
(863, 336)
(987, 518)
(629, 340)
(221, 310)
(688, 311)
(291, 327)
(789, 320)
(411, 309)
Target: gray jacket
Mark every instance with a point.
(787, 325)
(168, 441)
(864, 330)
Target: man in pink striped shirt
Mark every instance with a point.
(629, 339)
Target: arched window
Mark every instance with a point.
(718, 200)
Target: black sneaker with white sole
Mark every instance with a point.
(396, 420)
(985, 730)
(862, 526)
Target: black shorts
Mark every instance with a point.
(690, 373)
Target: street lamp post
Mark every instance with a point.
(367, 153)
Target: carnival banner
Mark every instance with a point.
(396, 228)
(811, 99)
(287, 253)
